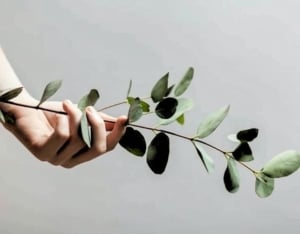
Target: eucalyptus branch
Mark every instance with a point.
(170, 107)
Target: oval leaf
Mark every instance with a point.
(264, 185)
(50, 89)
(160, 88)
(85, 130)
(135, 111)
(145, 106)
(211, 122)
(166, 108)
(205, 158)
(88, 100)
(158, 153)
(231, 176)
(11, 94)
(183, 106)
(247, 135)
(283, 164)
(185, 82)
(133, 141)
(243, 153)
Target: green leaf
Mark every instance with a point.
(133, 141)
(243, 152)
(264, 185)
(145, 106)
(50, 89)
(2, 117)
(160, 88)
(211, 122)
(205, 158)
(166, 108)
(247, 135)
(85, 130)
(135, 111)
(88, 100)
(282, 164)
(11, 94)
(185, 82)
(231, 176)
(158, 153)
(180, 119)
(169, 90)
(183, 106)
(129, 88)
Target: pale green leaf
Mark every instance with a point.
(50, 89)
(205, 158)
(135, 111)
(282, 164)
(264, 185)
(231, 176)
(211, 122)
(88, 100)
(2, 117)
(185, 82)
(85, 130)
(183, 106)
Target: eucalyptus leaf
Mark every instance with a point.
(160, 88)
(181, 119)
(11, 94)
(264, 185)
(184, 105)
(158, 153)
(166, 108)
(85, 130)
(129, 88)
(185, 82)
(282, 164)
(134, 142)
(135, 111)
(211, 122)
(247, 135)
(243, 152)
(145, 106)
(88, 100)
(169, 90)
(2, 117)
(50, 89)
(205, 158)
(231, 176)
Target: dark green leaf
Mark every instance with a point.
(158, 153)
(231, 176)
(183, 106)
(145, 106)
(129, 88)
(169, 90)
(205, 158)
(135, 111)
(180, 119)
(243, 152)
(185, 82)
(50, 89)
(88, 100)
(166, 108)
(247, 135)
(211, 122)
(283, 164)
(264, 185)
(133, 141)
(11, 94)
(85, 130)
(160, 88)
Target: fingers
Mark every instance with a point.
(101, 141)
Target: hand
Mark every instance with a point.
(54, 137)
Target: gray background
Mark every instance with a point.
(245, 53)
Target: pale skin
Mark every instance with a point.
(54, 137)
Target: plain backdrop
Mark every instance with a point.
(245, 53)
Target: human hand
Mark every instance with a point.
(54, 137)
